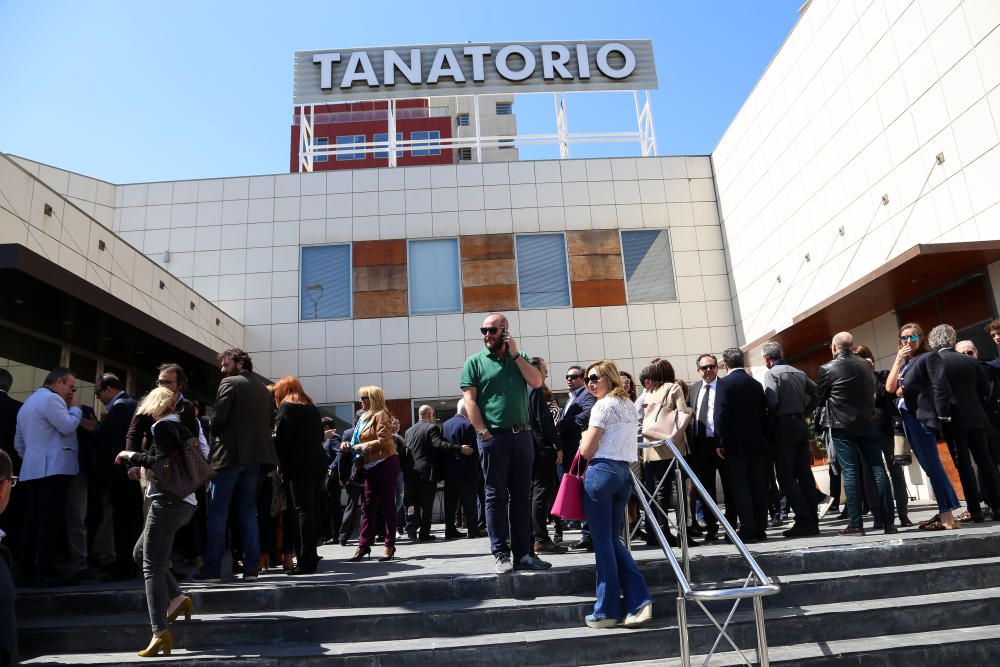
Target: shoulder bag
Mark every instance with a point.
(183, 472)
(663, 422)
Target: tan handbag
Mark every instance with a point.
(662, 421)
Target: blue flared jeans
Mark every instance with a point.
(607, 486)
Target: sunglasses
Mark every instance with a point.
(12, 480)
(709, 367)
(489, 330)
(910, 338)
(592, 379)
(365, 397)
(970, 353)
(573, 377)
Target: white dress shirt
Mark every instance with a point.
(710, 417)
(46, 436)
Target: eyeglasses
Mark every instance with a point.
(12, 480)
(709, 367)
(573, 377)
(592, 379)
(970, 353)
(489, 330)
(365, 397)
(910, 338)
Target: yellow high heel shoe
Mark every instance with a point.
(186, 607)
(164, 642)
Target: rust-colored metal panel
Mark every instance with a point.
(380, 304)
(379, 278)
(593, 242)
(480, 272)
(489, 298)
(374, 253)
(588, 293)
(595, 267)
(487, 246)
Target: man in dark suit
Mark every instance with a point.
(8, 622)
(425, 448)
(343, 463)
(462, 475)
(967, 434)
(124, 493)
(740, 422)
(574, 420)
(701, 398)
(544, 483)
(241, 443)
(10, 520)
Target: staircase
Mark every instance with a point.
(915, 599)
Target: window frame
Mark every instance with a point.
(409, 274)
(517, 271)
(321, 141)
(463, 151)
(350, 272)
(347, 157)
(426, 151)
(673, 266)
(384, 155)
(460, 117)
(508, 105)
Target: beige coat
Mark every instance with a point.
(672, 395)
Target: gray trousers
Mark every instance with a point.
(76, 523)
(152, 554)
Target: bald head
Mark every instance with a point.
(967, 347)
(844, 341)
(426, 413)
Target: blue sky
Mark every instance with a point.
(142, 91)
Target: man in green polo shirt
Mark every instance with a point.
(495, 391)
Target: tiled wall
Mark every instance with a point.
(236, 241)
(857, 103)
(71, 239)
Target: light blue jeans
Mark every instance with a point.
(607, 486)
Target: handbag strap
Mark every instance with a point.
(574, 468)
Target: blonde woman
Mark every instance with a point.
(374, 446)
(166, 516)
(609, 445)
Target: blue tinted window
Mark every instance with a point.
(425, 149)
(435, 277)
(344, 154)
(542, 274)
(325, 289)
(384, 136)
(321, 141)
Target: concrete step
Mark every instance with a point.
(469, 616)
(974, 646)
(573, 645)
(354, 585)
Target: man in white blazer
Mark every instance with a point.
(46, 441)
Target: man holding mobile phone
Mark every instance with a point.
(495, 385)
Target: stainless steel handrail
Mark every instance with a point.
(762, 586)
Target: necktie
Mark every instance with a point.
(703, 411)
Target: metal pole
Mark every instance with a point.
(758, 613)
(682, 629)
(682, 523)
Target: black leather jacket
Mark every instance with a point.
(846, 386)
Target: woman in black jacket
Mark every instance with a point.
(298, 439)
(924, 401)
(165, 517)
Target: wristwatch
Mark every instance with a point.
(483, 432)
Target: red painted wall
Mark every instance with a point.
(369, 128)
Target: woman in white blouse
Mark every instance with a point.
(610, 445)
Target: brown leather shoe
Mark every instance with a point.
(850, 532)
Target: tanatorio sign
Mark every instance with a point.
(472, 68)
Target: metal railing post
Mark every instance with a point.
(682, 522)
(682, 628)
(758, 614)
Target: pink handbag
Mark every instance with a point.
(569, 500)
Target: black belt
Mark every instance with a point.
(513, 429)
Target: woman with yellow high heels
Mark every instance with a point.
(166, 516)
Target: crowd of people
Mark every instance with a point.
(282, 471)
